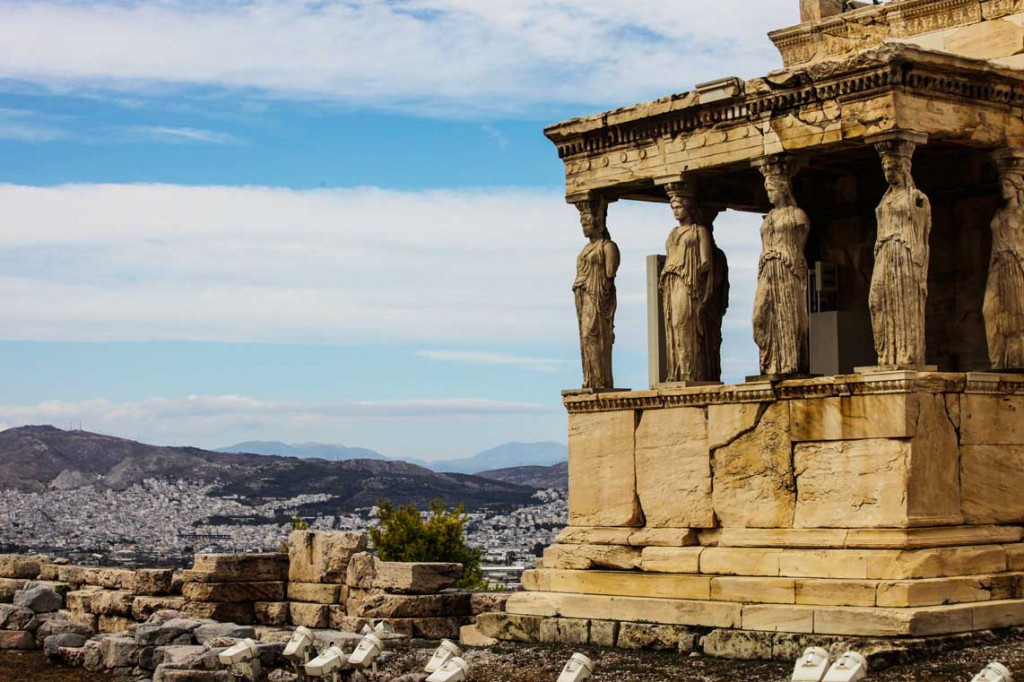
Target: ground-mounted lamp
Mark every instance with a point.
(454, 670)
(327, 663)
(994, 672)
(447, 650)
(242, 660)
(578, 669)
(298, 647)
(850, 668)
(812, 666)
(365, 655)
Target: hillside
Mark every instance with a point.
(37, 458)
(544, 453)
(316, 450)
(542, 478)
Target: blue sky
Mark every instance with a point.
(333, 221)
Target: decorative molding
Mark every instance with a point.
(800, 389)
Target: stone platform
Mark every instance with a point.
(884, 505)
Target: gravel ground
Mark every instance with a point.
(515, 663)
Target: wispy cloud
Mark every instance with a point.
(24, 125)
(454, 57)
(455, 272)
(178, 135)
(484, 358)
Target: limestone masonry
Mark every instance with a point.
(870, 481)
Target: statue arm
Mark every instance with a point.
(707, 262)
(611, 259)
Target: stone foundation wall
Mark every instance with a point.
(884, 505)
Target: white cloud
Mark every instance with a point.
(178, 135)
(485, 271)
(449, 56)
(215, 421)
(485, 358)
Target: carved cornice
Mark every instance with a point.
(803, 389)
(883, 70)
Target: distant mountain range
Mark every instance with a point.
(542, 454)
(37, 458)
(542, 478)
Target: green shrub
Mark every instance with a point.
(404, 535)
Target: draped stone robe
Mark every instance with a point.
(899, 281)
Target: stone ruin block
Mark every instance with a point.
(113, 624)
(314, 593)
(272, 613)
(226, 568)
(19, 566)
(235, 592)
(365, 571)
(8, 586)
(372, 604)
(145, 606)
(241, 613)
(322, 556)
(154, 582)
(16, 640)
(309, 615)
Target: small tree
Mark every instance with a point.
(404, 535)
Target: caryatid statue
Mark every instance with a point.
(718, 303)
(1004, 293)
(899, 281)
(594, 288)
(686, 286)
(781, 318)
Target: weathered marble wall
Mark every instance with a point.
(874, 451)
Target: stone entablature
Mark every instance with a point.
(985, 29)
(804, 110)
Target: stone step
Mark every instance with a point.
(851, 564)
(762, 590)
(795, 618)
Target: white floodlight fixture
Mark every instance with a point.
(239, 653)
(367, 629)
(382, 627)
(850, 668)
(367, 652)
(812, 666)
(578, 669)
(299, 645)
(454, 670)
(326, 663)
(994, 672)
(447, 650)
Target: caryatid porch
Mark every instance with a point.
(886, 501)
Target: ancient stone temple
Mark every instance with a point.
(870, 480)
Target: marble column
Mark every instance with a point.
(781, 318)
(594, 291)
(899, 280)
(1004, 291)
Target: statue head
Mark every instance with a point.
(1011, 174)
(682, 197)
(778, 180)
(897, 156)
(593, 218)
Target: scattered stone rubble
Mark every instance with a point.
(167, 626)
